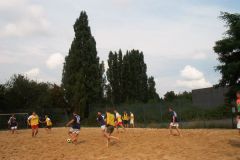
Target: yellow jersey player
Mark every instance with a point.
(110, 123)
(125, 119)
(33, 121)
(118, 121)
(48, 124)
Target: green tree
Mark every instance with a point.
(114, 75)
(228, 50)
(169, 96)
(152, 94)
(81, 73)
(134, 77)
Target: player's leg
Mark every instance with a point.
(74, 137)
(170, 129)
(12, 130)
(36, 130)
(33, 131)
(121, 125)
(15, 129)
(178, 131)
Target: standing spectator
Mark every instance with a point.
(131, 120)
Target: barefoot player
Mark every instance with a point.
(125, 119)
(174, 121)
(132, 120)
(238, 123)
(33, 121)
(110, 126)
(100, 119)
(48, 124)
(118, 121)
(75, 129)
(238, 101)
(12, 122)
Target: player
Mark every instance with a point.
(174, 121)
(110, 127)
(131, 120)
(48, 124)
(238, 101)
(118, 121)
(12, 122)
(75, 129)
(100, 119)
(33, 121)
(238, 123)
(125, 119)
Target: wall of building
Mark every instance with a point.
(209, 97)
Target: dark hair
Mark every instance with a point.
(109, 110)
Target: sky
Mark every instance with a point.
(176, 37)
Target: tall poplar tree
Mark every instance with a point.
(82, 79)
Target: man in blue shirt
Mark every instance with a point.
(173, 122)
(75, 129)
(101, 121)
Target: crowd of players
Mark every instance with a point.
(108, 122)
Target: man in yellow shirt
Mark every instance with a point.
(118, 121)
(110, 123)
(48, 123)
(33, 121)
(125, 119)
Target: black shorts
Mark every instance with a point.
(110, 129)
(48, 127)
(125, 121)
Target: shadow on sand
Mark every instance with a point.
(234, 142)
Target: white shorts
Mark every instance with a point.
(103, 127)
(14, 128)
(131, 121)
(73, 130)
(174, 124)
(238, 126)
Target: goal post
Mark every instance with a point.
(20, 117)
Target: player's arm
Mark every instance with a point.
(173, 117)
(69, 123)
(28, 121)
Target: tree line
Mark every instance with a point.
(86, 83)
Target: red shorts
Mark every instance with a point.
(119, 124)
(34, 126)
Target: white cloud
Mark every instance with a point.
(191, 73)
(194, 84)
(192, 78)
(55, 60)
(32, 73)
(25, 19)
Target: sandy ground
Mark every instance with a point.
(198, 144)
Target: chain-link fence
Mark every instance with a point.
(153, 115)
(156, 115)
(58, 116)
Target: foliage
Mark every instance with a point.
(228, 51)
(82, 79)
(21, 94)
(127, 77)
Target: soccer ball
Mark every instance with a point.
(69, 140)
